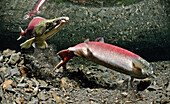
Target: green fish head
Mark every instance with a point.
(48, 28)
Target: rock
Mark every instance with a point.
(42, 95)
(33, 101)
(42, 83)
(127, 21)
(1, 77)
(15, 72)
(57, 99)
(6, 83)
(2, 97)
(8, 52)
(49, 101)
(14, 58)
(10, 89)
(153, 88)
(22, 85)
(102, 13)
(168, 88)
(124, 94)
(3, 69)
(64, 82)
(1, 58)
(165, 101)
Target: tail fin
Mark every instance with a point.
(65, 55)
(22, 33)
(27, 44)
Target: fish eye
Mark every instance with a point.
(58, 21)
(48, 25)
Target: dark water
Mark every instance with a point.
(154, 50)
(99, 3)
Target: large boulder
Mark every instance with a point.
(142, 28)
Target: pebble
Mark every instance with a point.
(168, 88)
(22, 85)
(1, 58)
(33, 101)
(15, 72)
(124, 94)
(8, 52)
(42, 95)
(14, 58)
(42, 83)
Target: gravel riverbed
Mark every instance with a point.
(26, 79)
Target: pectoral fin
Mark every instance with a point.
(40, 44)
(27, 44)
(89, 51)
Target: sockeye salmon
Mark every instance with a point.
(41, 29)
(110, 56)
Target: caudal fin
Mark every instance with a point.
(65, 56)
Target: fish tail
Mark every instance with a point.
(65, 56)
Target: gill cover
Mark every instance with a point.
(142, 68)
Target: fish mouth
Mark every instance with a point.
(62, 20)
(56, 23)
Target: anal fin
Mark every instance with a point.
(40, 44)
(27, 44)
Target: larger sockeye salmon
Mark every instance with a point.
(110, 56)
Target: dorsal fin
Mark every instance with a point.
(99, 39)
(86, 41)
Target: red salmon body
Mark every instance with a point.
(33, 23)
(110, 56)
(29, 31)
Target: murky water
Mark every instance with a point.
(99, 3)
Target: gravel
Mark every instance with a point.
(29, 81)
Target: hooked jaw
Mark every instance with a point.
(60, 21)
(149, 71)
(141, 69)
(64, 18)
(53, 26)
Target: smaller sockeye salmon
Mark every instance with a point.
(36, 9)
(40, 29)
(110, 56)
